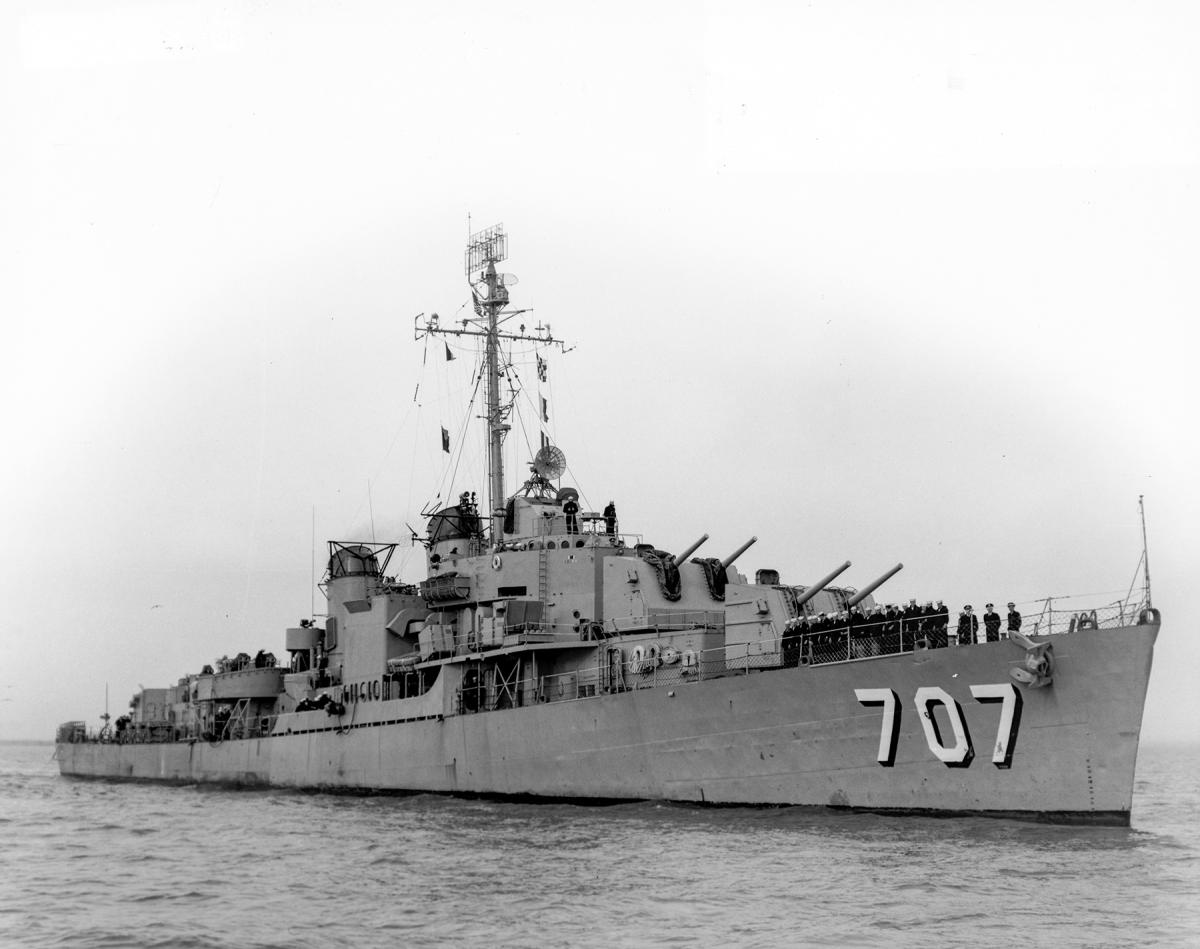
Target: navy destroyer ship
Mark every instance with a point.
(551, 654)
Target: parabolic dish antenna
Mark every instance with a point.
(549, 463)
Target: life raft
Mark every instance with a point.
(645, 657)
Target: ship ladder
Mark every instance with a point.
(614, 668)
(542, 565)
(236, 726)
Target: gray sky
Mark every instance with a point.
(886, 282)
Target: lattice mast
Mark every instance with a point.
(486, 249)
(489, 292)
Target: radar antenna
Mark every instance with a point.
(549, 463)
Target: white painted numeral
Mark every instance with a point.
(889, 731)
(961, 754)
(1010, 718)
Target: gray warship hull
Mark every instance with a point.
(814, 735)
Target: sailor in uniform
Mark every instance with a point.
(910, 625)
(1014, 619)
(819, 630)
(891, 629)
(942, 623)
(571, 509)
(877, 621)
(610, 518)
(968, 626)
(991, 625)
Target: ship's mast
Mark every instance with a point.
(495, 300)
(489, 293)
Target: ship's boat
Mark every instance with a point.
(551, 654)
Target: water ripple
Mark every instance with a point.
(89, 864)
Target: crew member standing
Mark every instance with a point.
(991, 625)
(910, 626)
(1014, 620)
(571, 509)
(942, 623)
(968, 626)
(610, 518)
(891, 629)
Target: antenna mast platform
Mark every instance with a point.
(489, 294)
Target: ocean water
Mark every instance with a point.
(96, 864)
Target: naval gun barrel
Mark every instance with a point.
(871, 587)
(820, 584)
(680, 558)
(737, 553)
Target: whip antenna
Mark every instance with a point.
(1145, 550)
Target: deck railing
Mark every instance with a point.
(797, 647)
(1055, 617)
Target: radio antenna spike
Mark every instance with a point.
(1145, 550)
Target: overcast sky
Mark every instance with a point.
(873, 281)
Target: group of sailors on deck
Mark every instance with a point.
(263, 660)
(857, 634)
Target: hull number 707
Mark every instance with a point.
(961, 753)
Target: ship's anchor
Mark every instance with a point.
(1037, 669)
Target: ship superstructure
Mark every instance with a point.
(548, 653)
